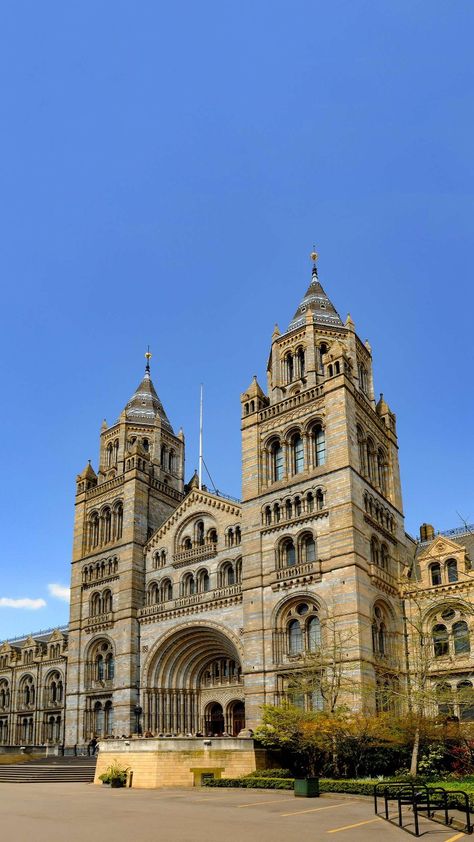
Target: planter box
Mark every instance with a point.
(115, 784)
(307, 787)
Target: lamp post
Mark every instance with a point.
(138, 712)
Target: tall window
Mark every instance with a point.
(166, 590)
(435, 572)
(466, 700)
(289, 368)
(362, 450)
(319, 445)
(200, 532)
(374, 551)
(322, 350)
(295, 637)
(462, 643)
(277, 461)
(314, 634)
(297, 452)
(440, 640)
(308, 548)
(289, 553)
(300, 361)
(384, 557)
(381, 471)
(370, 460)
(452, 570)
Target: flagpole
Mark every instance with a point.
(200, 441)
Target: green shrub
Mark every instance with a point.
(270, 773)
(252, 783)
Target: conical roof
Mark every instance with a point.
(144, 405)
(318, 304)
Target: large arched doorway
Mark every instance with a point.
(188, 682)
(214, 720)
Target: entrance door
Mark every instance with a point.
(238, 718)
(215, 720)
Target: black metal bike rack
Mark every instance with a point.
(421, 799)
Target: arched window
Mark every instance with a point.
(152, 594)
(435, 573)
(319, 500)
(362, 451)
(319, 445)
(171, 461)
(109, 454)
(107, 601)
(212, 536)
(276, 513)
(203, 581)
(108, 719)
(288, 553)
(94, 530)
(238, 535)
(444, 699)
(166, 590)
(381, 471)
(314, 634)
(322, 350)
(466, 700)
(100, 670)
(276, 461)
(461, 638)
(289, 368)
(308, 548)
(227, 575)
(118, 520)
(109, 666)
(363, 380)
(300, 362)
(200, 532)
(4, 694)
(374, 551)
(187, 544)
(95, 605)
(440, 640)
(452, 570)
(107, 525)
(268, 516)
(297, 454)
(384, 557)
(188, 585)
(370, 459)
(238, 571)
(309, 502)
(288, 509)
(295, 637)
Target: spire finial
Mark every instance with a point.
(314, 257)
(148, 358)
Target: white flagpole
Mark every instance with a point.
(200, 442)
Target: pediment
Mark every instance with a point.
(441, 546)
(196, 502)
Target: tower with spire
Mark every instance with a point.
(137, 485)
(323, 535)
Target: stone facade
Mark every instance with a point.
(189, 610)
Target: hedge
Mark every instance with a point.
(279, 780)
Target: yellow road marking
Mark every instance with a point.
(273, 801)
(316, 809)
(349, 826)
(453, 838)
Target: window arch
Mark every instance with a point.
(321, 351)
(166, 590)
(300, 361)
(26, 692)
(318, 441)
(95, 604)
(374, 551)
(118, 520)
(380, 635)
(297, 454)
(94, 530)
(370, 448)
(452, 570)
(227, 575)
(102, 662)
(238, 571)
(461, 638)
(435, 573)
(4, 694)
(203, 581)
(200, 532)
(382, 471)
(440, 640)
(295, 637)
(384, 557)
(276, 456)
(362, 450)
(307, 548)
(287, 553)
(188, 585)
(152, 593)
(289, 367)
(107, 601)
(106, 525)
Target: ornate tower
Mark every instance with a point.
(138, 484)
(322, 535)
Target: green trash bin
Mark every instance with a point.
(307, 787)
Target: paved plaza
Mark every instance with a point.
(87, 813)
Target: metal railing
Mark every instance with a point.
(422, 799)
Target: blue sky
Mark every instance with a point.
(164, 172)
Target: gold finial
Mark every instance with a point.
(314, 256)
(148, 356)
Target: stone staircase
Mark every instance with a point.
(49, 770)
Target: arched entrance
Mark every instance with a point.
(214, 720)
(236, 718)
(189, 678)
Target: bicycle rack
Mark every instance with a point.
(420, 798)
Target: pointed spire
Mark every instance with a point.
(145, 406)
(317, 303)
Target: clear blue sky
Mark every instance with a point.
(165, 170)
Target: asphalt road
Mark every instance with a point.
(88, 813)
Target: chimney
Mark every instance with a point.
(427, 532)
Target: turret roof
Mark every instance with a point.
(317, 302)
(145, 406)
